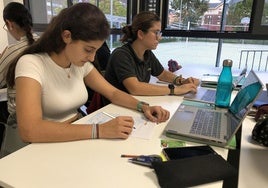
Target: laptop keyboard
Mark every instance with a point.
(210, 96)
(207, 123)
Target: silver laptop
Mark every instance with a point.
(209, 95)
(203, 95)
(214, 126)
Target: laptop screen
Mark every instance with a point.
(247, 94)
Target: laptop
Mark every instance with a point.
(203, 95)
(209, 95)
(214, 126)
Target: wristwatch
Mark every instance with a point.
(171, 87)
(140, 104)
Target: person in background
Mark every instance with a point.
(51, 77)
(131, 65)
(18, 23)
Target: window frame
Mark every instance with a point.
(257, 27)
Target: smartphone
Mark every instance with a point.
(184, 152)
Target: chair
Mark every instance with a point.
(11, 138)
(95, 99)
(254, 59)
(95, 103)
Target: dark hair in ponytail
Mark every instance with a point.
(142, 21)
(18, 13)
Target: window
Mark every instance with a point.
(115, 14)
(216, 25)
(251, 52)
(150, 5)
(209, 15)
(232, 20)
(43, 10)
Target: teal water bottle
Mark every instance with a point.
(225, 85)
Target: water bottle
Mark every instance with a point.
(225, 85)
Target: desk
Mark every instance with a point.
(253, 167)
(89, 163)
(97, 163)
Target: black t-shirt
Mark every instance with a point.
(124, 63)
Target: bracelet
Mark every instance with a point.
(140, 104)
(94, 131)
(179, 78)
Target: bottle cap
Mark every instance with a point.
(227, 62)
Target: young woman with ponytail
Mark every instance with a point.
(18, 23)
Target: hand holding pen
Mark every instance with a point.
(118, 127)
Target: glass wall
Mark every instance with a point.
(209, 15)
(44, 10)
(115, 14)
(203, 52)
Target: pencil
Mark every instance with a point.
(129, 156)
(111, 116)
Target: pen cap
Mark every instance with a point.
(227, 63)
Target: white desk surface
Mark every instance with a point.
(253, 164)
(89, 163)
(97, 163)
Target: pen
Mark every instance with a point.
(210, 75)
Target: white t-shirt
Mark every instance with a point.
(61, 96)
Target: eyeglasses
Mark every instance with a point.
(5, 28)
(157, 33)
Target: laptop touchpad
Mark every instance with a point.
(182, 119)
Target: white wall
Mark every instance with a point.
(3, 34)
